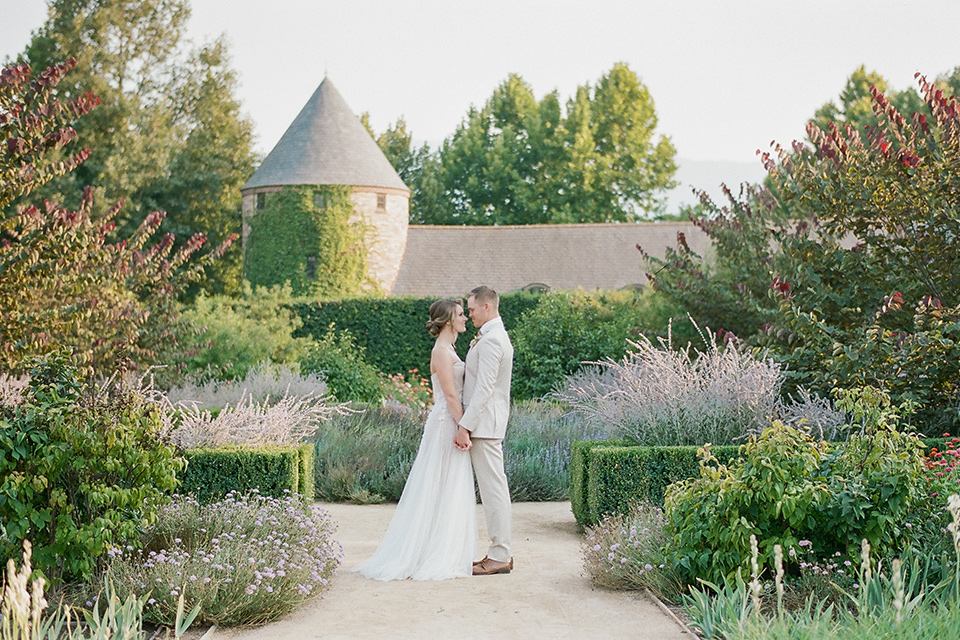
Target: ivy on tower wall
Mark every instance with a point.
(303, 235)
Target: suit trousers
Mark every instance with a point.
(487, 457)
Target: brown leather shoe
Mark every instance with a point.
(478, 562)
(488, 567)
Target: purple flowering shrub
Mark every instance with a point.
(246, 559)
(626, 551)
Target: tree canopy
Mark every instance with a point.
(517, 160)
(168, 135)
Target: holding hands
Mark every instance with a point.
(462, 440)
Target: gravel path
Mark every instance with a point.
(544, 597)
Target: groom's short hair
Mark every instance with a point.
(483, 294)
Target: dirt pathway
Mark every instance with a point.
(544, 597)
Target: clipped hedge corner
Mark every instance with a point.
(213, 473)
(608, 477)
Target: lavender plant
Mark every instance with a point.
(537, 450)
(626, 552)
(812, 413)
(246, 559)
(658, 395)
(366, 457)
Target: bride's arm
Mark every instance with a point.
(443, 365)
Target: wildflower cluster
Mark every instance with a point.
(626, 552)
(412, 391)
(943, 468)
(247, 559)
(823, 576)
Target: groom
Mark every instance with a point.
(486, 407)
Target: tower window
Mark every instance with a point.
(261, 201)
(311, 267)
(381, 201)
(319, 201)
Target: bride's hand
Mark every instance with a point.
(462, 440)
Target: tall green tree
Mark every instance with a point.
(201, 191)
(519, 160)
(163, 108)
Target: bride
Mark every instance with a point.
(433, 533)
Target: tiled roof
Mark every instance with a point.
(326, 144)
(450, 261)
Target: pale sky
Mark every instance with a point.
(727, 76)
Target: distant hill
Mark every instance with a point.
(708, 175)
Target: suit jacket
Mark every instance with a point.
(486, 384)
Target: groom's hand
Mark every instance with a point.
(462, 440)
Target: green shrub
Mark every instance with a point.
(392, 331)
(234, 335)
(213, 473)
(568, 328)
(79, 470)
(306, 481)
(787, 487)
(345, 368)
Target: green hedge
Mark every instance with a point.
(392, 331)
(307, 482)
(580, 456)
(609, 476)
(213, 473)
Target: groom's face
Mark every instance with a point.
(479, 312)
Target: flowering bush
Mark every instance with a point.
(413, 391)
(788, 487)
(943, 468)
(661, 396)
(626, 552)
(247, 560)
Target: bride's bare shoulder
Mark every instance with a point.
(440, 356)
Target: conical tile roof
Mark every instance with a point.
(326, 144)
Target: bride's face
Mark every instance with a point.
(459, 320)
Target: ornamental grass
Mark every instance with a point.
(658, 395)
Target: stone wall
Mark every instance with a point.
(386, 231)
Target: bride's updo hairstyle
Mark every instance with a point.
(441, 312)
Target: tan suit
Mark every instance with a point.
(486, 409)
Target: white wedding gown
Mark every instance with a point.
(433, 534)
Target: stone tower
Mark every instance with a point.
(328, 145)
